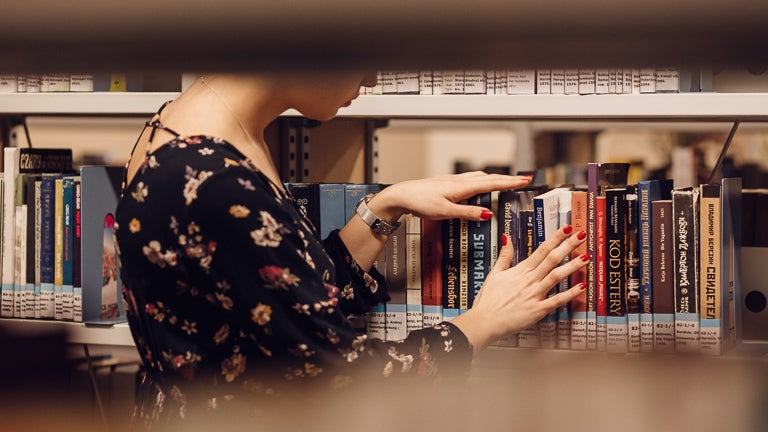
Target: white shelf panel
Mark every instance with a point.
(683, 106)
(80, 333)
(117, 103)
(712, 106)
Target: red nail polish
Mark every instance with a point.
(584, 257)
(582, 286)
(567, 229)
(504, 240)
(581, 235)
(486, 214)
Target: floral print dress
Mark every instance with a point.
(232, 297)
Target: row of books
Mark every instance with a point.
(58, 254)
(660, 277)
(538, 81)
(32, 83)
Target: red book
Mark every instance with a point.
(431, 271)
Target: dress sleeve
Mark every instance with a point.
(285, 321)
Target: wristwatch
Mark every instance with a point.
(377, 225)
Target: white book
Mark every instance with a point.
(543, 81)
(586, 81)
(521, 81)
(626, 81)
(81, 83)
(10, 172)
(19, 271)
(490, 82)
(407, 82)
(667, 80)
(388, 82)
(38, 250)
(414, 312)
(564, 199)
(425, 82)
(33, 83)
(21, 84)
(437, 82)
(613, 82)
(474, 82)
(635, 81)
(8, 84)
(571, 81)
(58, 83)
(647, 80)
(377, 89)
(500, 82)
(453, 82)
(558, 81)
(603, 81)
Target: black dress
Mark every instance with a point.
(231, 296)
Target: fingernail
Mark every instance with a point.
(486, 214)
(584, 257)
(567, 229)
(581, 235)
(582, 286)
(504, 240)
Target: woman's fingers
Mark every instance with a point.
(559, 299)
(551, 253)
(559, 273)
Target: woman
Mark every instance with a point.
(231, 295)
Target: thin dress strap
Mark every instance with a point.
(155, 124)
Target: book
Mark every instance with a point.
(685, 208)
(464, 287)
(58, 248)
(475, 82)
(633, 271)
(558, 81)
(571, 83)
(543, 81)
(521, 81)
(479, 242)
(68, 243)
(647, 192)
(77, 255)
(547, 217)
(578, 307)
(413, 308)
(450, 268)
(431, 271)
(425, 82)
(395, 308)
(731, 263)
(37, 290)
(586, 81)
(564, 312)
(616, 269)
(601, 290)
(407, 82)
(529, 337)
(18, 160)
(101, 286)
(31, 231)
(452, 82)
(710, 269)
(47, 239)
(331, 204)
(662, 271)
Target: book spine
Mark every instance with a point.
(564, 311)
(616, 260)
(521, 81)
(602, 81)
(544, 81)
(37, 314)
(479, 233)
(464, 287)
(558, 81)
(47, 240)
(431, 271)
(58, 248)
(685, 240)
(593, 174)
(647, 80)
(31, 231)
(437, 82)
(601, 290)
(662, 263)
(331, 205)
(20, 273)
(396, 328)
(730, 257)
(475, 82)
(67, 290)
(586, 81)
(453, 82)
(633, 271)
(77, 280)
(425, 82)
(546, 216)
(579, 304)
(500, 82)
(644, 192)
(389, 82)
(10, 170)
(450, 271)
(710, 270)
(529, 337)
(407, 82)
(413, 309)
(571, 85)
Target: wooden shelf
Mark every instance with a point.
(665, 107)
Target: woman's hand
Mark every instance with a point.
(438, 197)
(515, 298)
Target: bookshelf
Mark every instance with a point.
(678, 107)
(77, 332)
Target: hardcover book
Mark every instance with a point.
(663, 274)
(685, 208)
(431, 271)
(521, 81)
(450, 270)
(601, 288)
(710, 269)
(578, 307)
(616, 269)
(396, 326)
(68, 243)
(413, 309)
(633, 271)
(543, 81)
(564, 312)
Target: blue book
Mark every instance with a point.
(331, 200)
(47, 194)
(479, 247)
(68, 288)
(647, 192)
